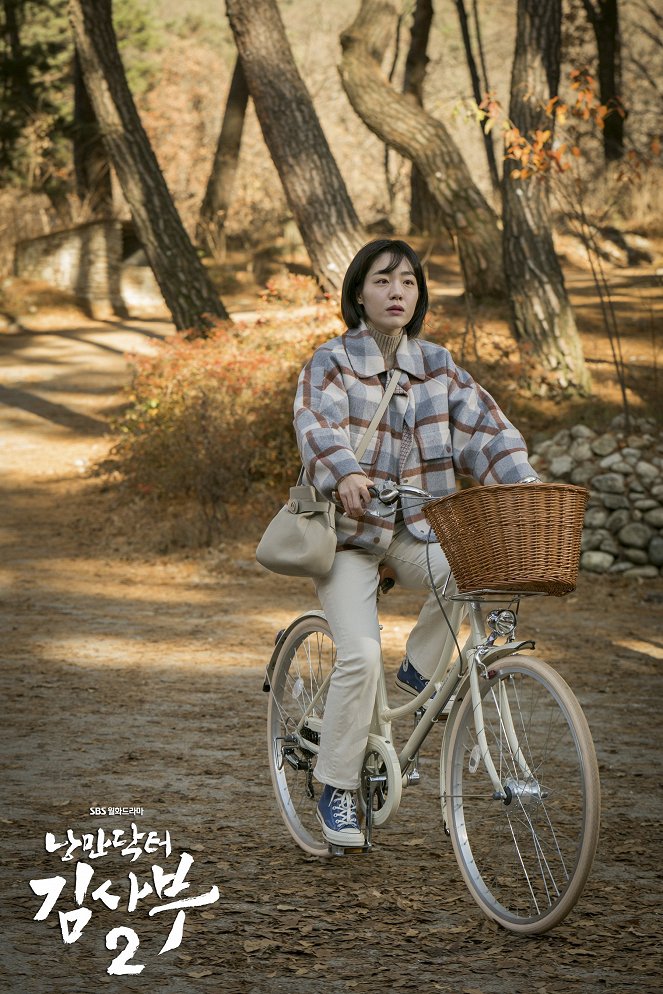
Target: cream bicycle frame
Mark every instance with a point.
(463, 675)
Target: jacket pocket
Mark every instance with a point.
(433, 442)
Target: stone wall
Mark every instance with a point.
(623, 470)
(84, 260)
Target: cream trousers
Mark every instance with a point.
(348, 598)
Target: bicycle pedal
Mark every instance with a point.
(348, 850)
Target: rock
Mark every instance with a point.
(590, 540)
(635, 487)
(563, 438)
(655, 550)
(621, 466)
(635, 442)
(604, 445)
(596, 562)
(582, 431)
(636, 534)
(638, 556)
(644, 571)
(654, 517)
(580, 450)
(646, 504)
(608, 461)
(535, 461)
(646, 470)
(657, 491)
(561, 466)
(613, 501)
(618, 519)
(620, 567)
(612, 483)
(631, 455)
(611, 545)
(582, 475)
(596, 517)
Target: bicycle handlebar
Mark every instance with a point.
(390, 493)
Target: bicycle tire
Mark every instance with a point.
(525, 860)
(304, 663)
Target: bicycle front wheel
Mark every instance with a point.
(298, 691)
(525, 856)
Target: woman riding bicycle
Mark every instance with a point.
(438, 423)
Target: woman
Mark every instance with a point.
(439, 422)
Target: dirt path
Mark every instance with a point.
(130, 682)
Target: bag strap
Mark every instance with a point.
(377, 417)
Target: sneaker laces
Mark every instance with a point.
(344, 808)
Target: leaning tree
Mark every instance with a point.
(186, 287)
(399, 122)
(542, 314)
(218, 194)
(312, 183)
(424, 212)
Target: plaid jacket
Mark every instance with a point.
(454, 427)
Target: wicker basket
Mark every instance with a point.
(522, 537)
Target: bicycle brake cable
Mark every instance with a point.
(437, 596)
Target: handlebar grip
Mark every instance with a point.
(373, 491)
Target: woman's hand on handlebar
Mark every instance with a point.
(354, 494)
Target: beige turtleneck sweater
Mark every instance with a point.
(388, 344)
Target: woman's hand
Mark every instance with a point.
(354, 495)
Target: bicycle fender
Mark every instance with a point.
(283, 635)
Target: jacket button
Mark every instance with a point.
(376, 540)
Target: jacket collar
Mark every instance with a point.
(367, 360)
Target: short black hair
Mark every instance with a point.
(354, 280)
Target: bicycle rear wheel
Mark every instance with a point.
(525, 859)
(301, 672)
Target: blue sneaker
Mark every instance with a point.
(410, 679)
(337, 813)
(412, 682)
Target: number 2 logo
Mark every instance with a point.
(120, 964)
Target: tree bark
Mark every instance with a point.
(542, 315)
(476, 90)
(185, 285)
(425, 216)
(604, 18)
(91, 165)
(399, 122)
(218, 194)
(312, 183)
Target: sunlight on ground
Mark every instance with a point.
(637, 645)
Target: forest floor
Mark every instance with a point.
(131, 679)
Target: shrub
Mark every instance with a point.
(211, 419)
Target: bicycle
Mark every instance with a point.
(519, 784)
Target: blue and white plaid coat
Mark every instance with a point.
(439, 423)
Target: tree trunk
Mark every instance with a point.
(399, 122)
(185, 285)
(218, 194)
(425, 215)
(91, 165)
(604, 18)
(542, 316)
(312, 183)
(476, 90)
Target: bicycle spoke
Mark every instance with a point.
(298, 691)
(525, 856)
